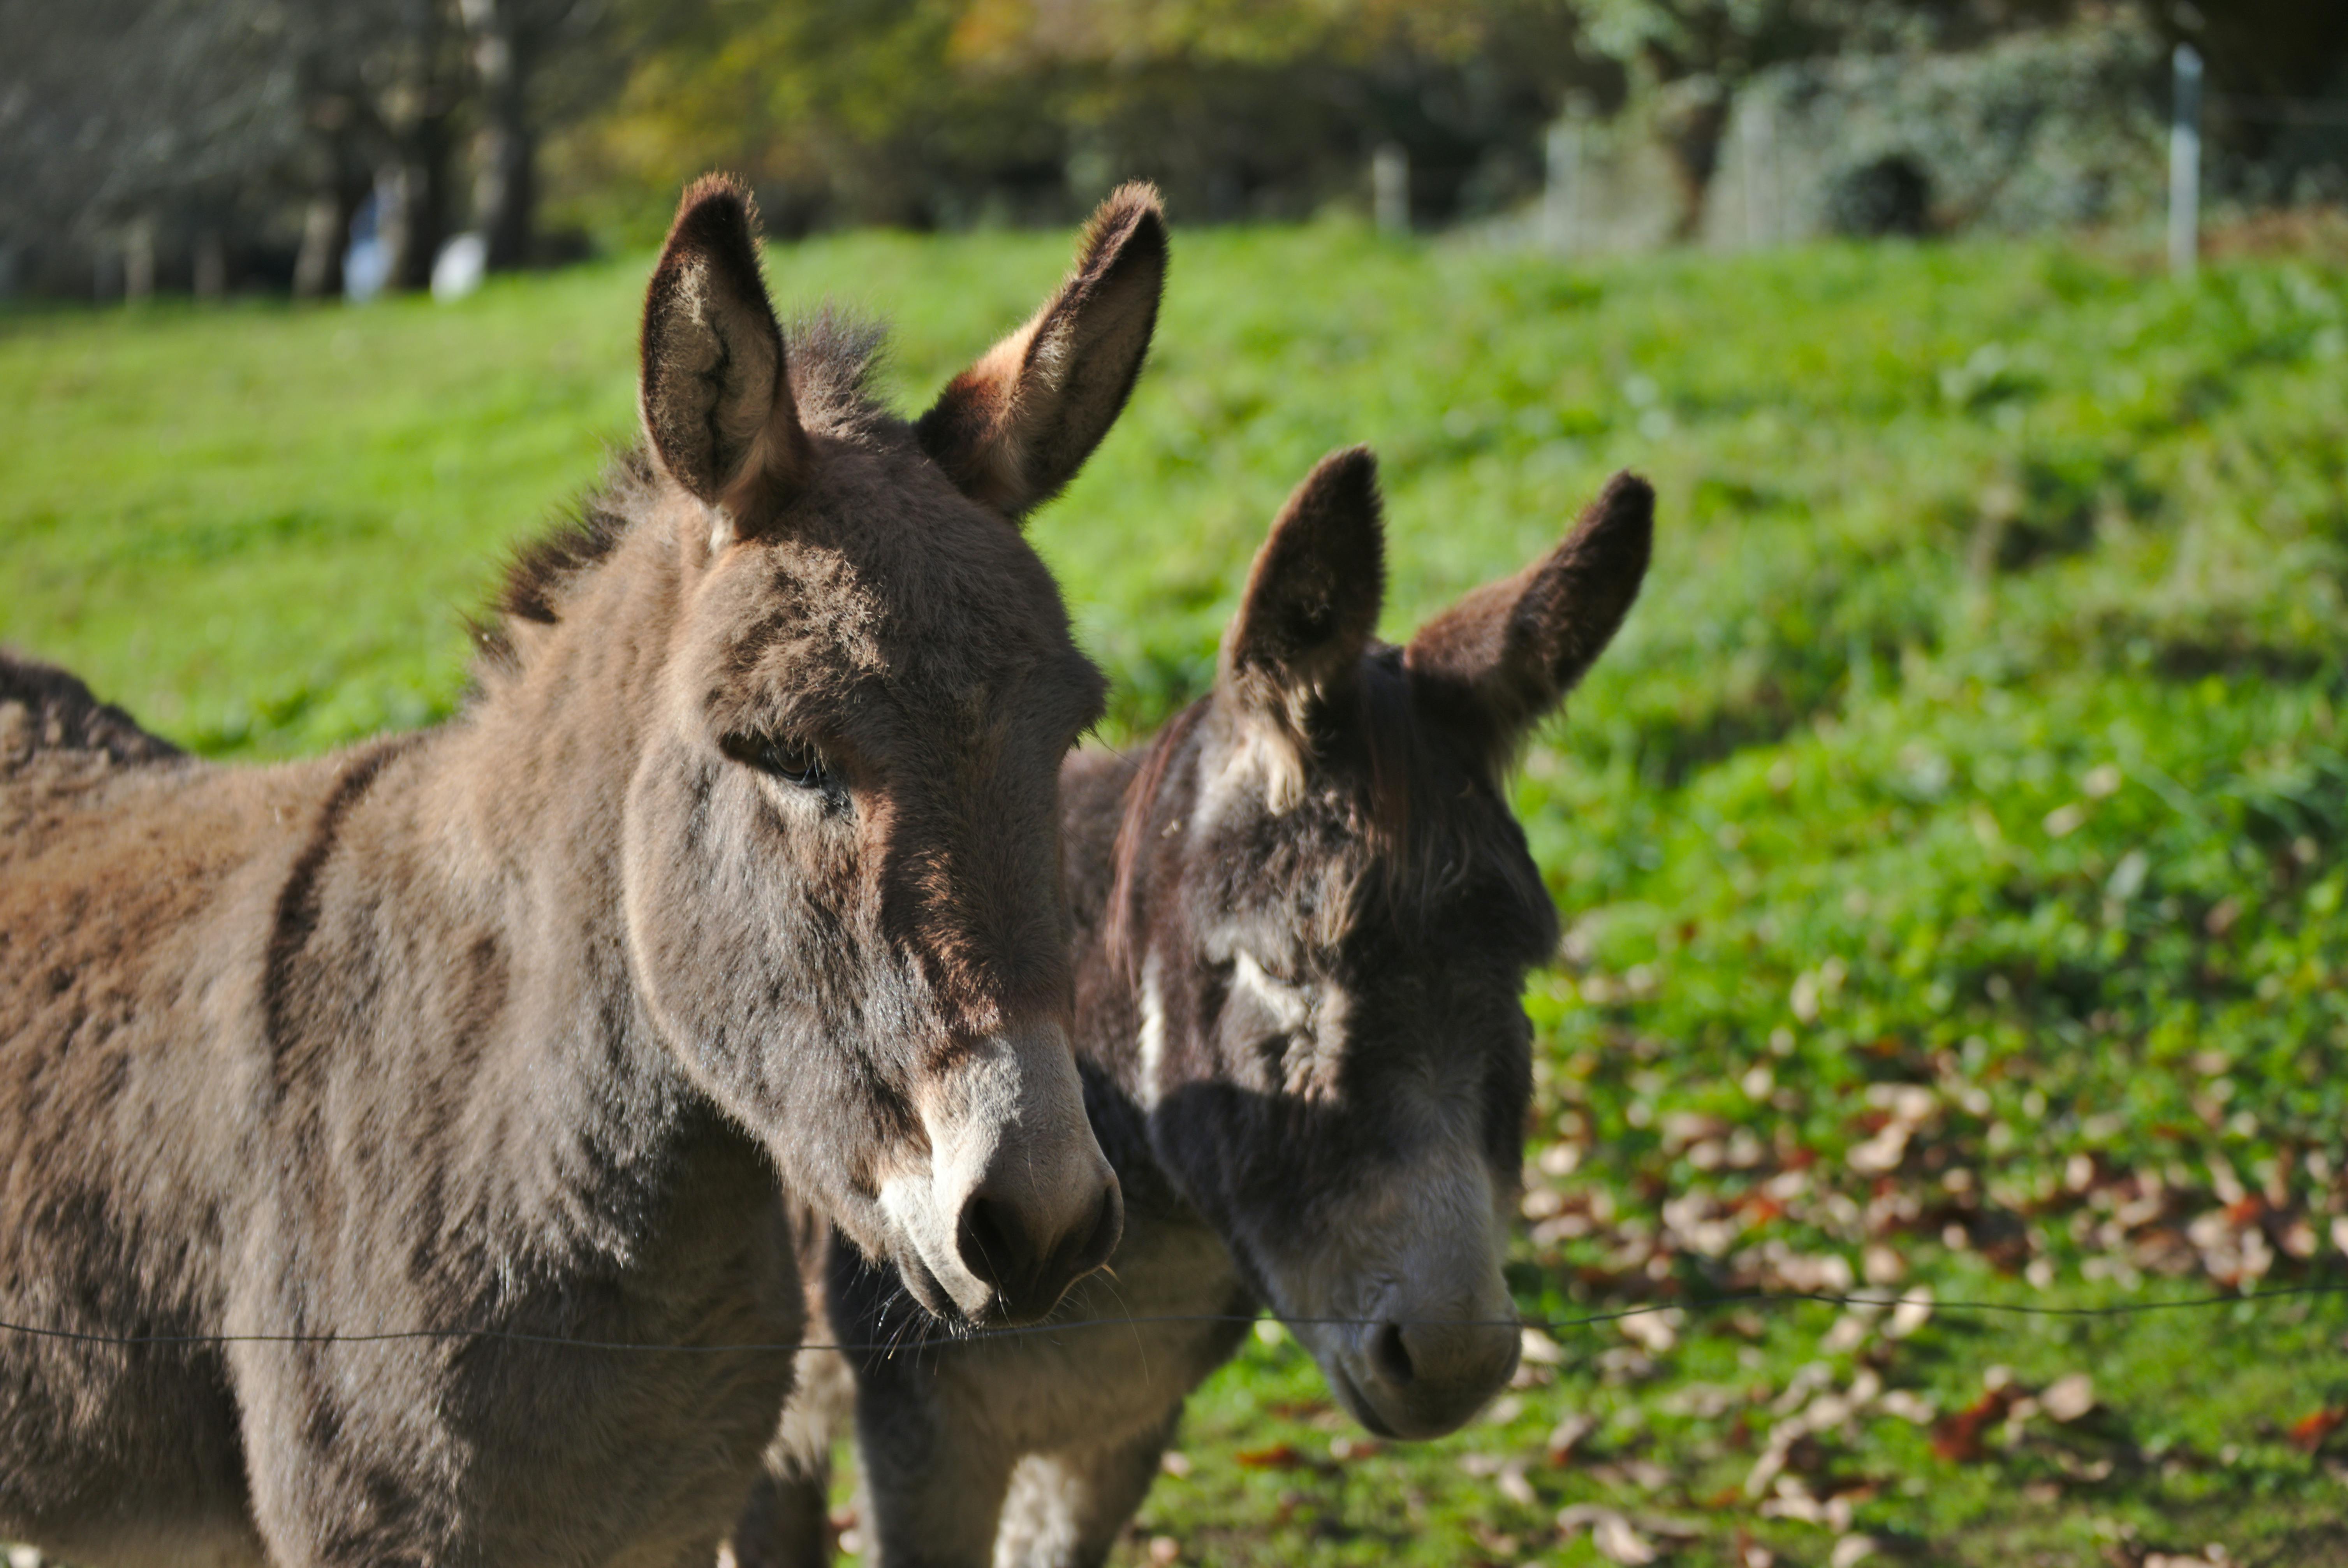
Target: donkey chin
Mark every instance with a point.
(1406, 1311)
(1015, 1201)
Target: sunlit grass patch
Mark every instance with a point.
(1950, 849)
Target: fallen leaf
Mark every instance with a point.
(1617, 1541)
(1502, 1547)
(1958, 1438)
(1850, 1551)
(2307, 1434)
(1279, 1456)
(1914, 1310)
(1540, 1349)
(1566, 1436)
(1908, 1405)
(1655, 1332)
(2068, 1398)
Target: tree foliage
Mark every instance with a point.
(272, 121)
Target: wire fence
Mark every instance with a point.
(952, 1335)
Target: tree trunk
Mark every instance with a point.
(505, 186)
(327, 235)
(1693, 119)
(210, 281)
(417, 223)
(138, 259)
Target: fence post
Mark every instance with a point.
(1390, 189)
(1561, 189)
(2185, 164)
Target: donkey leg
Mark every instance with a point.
(931, 1489)
(1067, 1509)
(787, 1523)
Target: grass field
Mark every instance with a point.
(1953, 848)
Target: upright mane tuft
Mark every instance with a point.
(832, 357)
(540, 574)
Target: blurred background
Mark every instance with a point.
(1953, 849)
(213, 146)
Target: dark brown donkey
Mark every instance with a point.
(1303, 918)
(743, 860)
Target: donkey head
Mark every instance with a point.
(843, 861)
(1330, 911)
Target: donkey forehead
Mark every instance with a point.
(834, 623)
(1312, 896)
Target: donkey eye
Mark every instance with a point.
(792, 761)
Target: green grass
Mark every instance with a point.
(1951, 846)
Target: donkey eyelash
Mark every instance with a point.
(1284, 1000)
(794, 761)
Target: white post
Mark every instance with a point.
(1390, 189)
(2185, 164)
(1561, 192)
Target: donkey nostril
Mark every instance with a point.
(1109, 1229)
(991, 1244)
(1391, 1355)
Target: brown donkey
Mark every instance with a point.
(743, 860)
(1303, 918)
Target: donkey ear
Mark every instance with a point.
(1508, 652)
(1015, 427)
(1313, 596)
(716, 403)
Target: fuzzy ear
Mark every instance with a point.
(1505, 654)
(716, 405)
(1014, 428)
(1312, 597)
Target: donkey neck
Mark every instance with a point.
(493, 849)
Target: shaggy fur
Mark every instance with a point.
(742, 861)
(1303, 919)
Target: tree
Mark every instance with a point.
(512, 44)
(136, 116)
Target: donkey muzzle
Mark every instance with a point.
(1018, 1202)
(1403, 1301)
(1421, 1377)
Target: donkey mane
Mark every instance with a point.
(832, 365)
(832, 359)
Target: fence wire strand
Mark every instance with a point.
(946, 1337)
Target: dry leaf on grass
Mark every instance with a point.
(1958, 1438)
(1617, 1541)
(1279, 1456)
(2068, 1398)
(1851, 1550)
(1568, 1436)
(2308, 1434)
